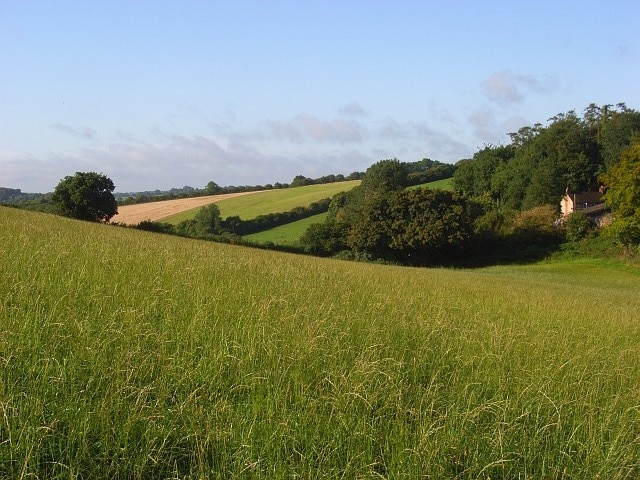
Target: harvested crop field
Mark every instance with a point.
(154, 211)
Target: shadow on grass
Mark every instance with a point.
(511, 250)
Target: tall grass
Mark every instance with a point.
(125, 354)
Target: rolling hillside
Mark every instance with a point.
(127, 354)
(154, 211)
(270, 201)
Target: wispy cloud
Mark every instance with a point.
(85, 133)
(433, 143)
(508, 88)
(485, 125)
(309, 128)
(353, 109)
(232, 152)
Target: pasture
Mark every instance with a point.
(127, 354)
(269, 201)
(288, 234)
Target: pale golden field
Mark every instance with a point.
(154, 211)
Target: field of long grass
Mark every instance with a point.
(271, 201)
(126, 354)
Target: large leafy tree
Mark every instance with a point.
(86, 196)
(623, 195)
(417, 226)
(474, 177)
(385, 176)
(623, 184)
(616, 133)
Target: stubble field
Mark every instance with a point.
(155, 211)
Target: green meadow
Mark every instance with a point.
(288, 234)
(270, 201)
(127, 354)
(444, 184)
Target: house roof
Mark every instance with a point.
(586, 197)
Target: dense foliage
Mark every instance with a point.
(381, 219)
(623, 195)
(541, 162)
(86, 196)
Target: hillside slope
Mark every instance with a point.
(154, 211)
(126, 354)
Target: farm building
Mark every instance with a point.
(590, 203)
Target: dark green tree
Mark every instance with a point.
(563, 154)
(385, 176)
(474, 177)
(212, 188)
(623, 184)
(418, 226)
(325, 239)
(617, 133)
(208, 220)
(86, 196)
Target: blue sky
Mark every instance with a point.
(159, 94)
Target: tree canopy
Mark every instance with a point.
(86, 196)
(622, 194)
(542, 161)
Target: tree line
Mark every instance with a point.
(212, 188)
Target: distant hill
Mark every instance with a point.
(15, 195)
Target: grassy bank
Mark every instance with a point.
(125, 354)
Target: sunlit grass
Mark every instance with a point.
(271, 201)
(125, 354)
(444, 184)
(288, 234)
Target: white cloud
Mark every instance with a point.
(422, 137)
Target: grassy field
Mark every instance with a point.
(445, 184)
(126, 354)
(288, 234)
(271, 201)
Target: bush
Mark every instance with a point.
(626, 232)
(577, 226)
(536, 225)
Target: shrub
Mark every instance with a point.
(577, 226)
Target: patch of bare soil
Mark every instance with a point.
(154, 211)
